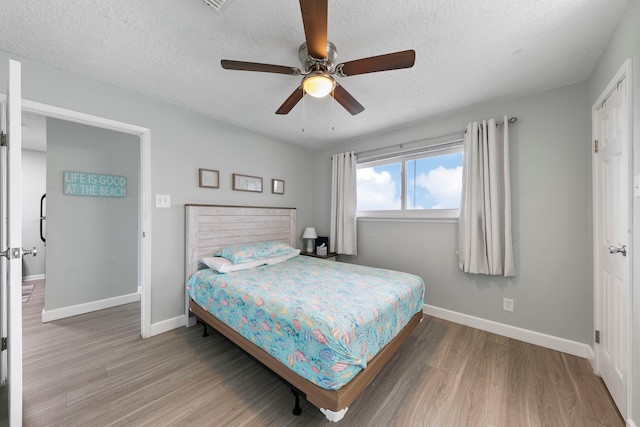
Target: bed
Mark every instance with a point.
(211, 228)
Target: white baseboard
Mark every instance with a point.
(74, 310)
(34, 277)
(167, 325)
(531, 337)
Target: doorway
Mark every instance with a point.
(101, 217)
(14, 245)
(144, 198)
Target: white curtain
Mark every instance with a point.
(343, 236)
(485, 244)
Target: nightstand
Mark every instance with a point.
(330, 256)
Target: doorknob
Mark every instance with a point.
(11, 253)
(615, 250)
(32, 251)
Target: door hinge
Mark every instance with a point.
(595, 146)
(3, 139)
(3, 344)
(597, 337)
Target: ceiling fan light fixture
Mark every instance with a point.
(318, 84)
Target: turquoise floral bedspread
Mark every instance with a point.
(324, 320)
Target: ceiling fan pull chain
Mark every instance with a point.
(304, 112)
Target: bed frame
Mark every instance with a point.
(211, 227)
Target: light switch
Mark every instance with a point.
(163, 201)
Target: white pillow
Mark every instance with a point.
(223, 265)
(282, 258)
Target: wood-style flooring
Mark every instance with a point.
(95, 370)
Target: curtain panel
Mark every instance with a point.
(343, 233)
(485, 244)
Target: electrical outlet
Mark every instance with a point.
(163, 201)
(507, 304)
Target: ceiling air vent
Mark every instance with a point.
(217, 4)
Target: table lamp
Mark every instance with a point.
(310, 235)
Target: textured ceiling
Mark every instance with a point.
(467, 52)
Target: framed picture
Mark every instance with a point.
(277, 186)
(209, 178)
(247, 183)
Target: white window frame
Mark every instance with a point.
(445, 215)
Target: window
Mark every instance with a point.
(379, 187)
(424, 184)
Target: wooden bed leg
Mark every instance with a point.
(296, 410)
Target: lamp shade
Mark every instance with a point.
(318, 84)
(309, 233)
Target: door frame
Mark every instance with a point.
(13, 228)
(625, 72)
(144, 222)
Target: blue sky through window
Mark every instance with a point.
(433, 182)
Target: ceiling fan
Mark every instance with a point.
(318, 55)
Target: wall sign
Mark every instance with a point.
(94, 185)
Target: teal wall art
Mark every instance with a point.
(94, 185)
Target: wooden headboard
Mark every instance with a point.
(211, 227)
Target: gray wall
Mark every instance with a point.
(92, 241)
(625, 43)
(34, 182)
(181, 142)
(551, 191)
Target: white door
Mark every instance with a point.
(12, 252)
(3, 244)
(612, 212)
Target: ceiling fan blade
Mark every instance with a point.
(373, 64)
(345, 99)
(291, 101)
(254, 66)
(314, 19)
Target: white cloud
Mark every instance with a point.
(376, 190)
(444, 186)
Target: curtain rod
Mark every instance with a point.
(401, 146)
